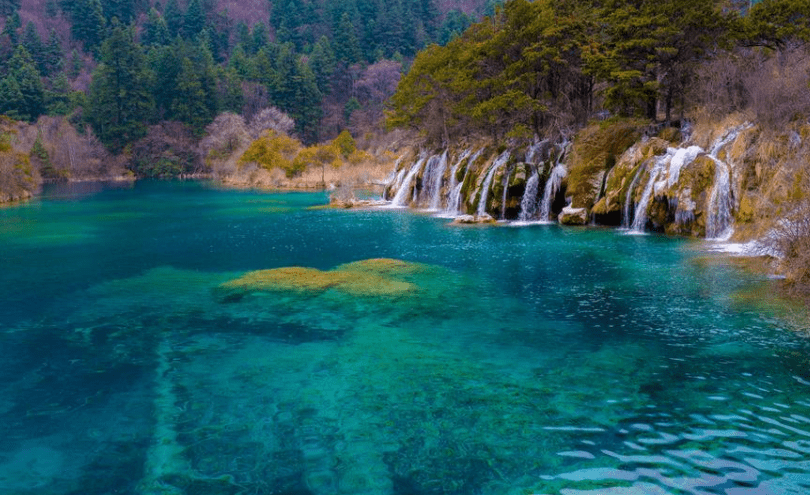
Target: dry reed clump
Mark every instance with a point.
(370, 278)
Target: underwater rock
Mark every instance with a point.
(473, 219)
(355, 203)
(573, 216)
(374, 277)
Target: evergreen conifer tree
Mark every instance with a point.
(120, 103)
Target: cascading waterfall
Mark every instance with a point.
(718, 221)
(431, 181)
(640, 220)
(436, 187)
(534, 149)
(454, 188)
(401, 197)
(505, 191)
(499, 162)
(628, 200)
(528, 205)
(454, 200)
(719, 218)
(553, 184)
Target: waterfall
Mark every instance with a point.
(528, 205)
(640, 221)
(628, 200)
(505, 191)
(436, 196)
(401, 197)
(454, 189)
(534, 149)
(553, 184)
(719, 218)
(482, 203)
(432, 180)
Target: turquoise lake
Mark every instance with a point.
(137, 359)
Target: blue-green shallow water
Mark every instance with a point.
(528, 360)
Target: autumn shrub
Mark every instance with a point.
(345, 143)
(318, 156)
(274, 150)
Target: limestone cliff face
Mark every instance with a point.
(731, 178)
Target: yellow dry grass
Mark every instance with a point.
(373, 277)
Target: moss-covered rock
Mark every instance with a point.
(691, 195)
(595, 150)
(573, 216)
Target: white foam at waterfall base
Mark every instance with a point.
(499, 162)
(401, 197)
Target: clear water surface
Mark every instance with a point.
(518, 360)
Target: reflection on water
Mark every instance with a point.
(513, 361)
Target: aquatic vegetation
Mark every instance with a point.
(376, 277)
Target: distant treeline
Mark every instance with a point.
(128, 64)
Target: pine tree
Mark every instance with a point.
(306, 110)
(25, 78)
(189, 106)
(54, 58)
(33, 43)
(13, 23)
(165, 62)
(11, 98)
(240, 64)
(194, 20)
(120, 104)
(174, 18)
(260, 37)
(244, 38)
(347, 48)
(76, 64)
(155, 30)
(229, 91)
(322, 64)
(57, 100)
(88, 23)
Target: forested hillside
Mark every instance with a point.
(122, 66)
(547, 67)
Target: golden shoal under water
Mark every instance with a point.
(372, 277)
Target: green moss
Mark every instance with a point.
(671, 134)
(698, 175)
(594, 151)
(467, 187)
